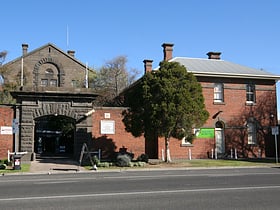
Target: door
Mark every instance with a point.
(220, 141)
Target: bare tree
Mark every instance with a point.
(3, 57)
(112, 78)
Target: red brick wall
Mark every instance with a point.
(201, 148)
(114, 142)
(234, 114)
(6, 141)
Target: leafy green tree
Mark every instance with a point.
(165, 103)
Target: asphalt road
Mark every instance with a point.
(255, 188)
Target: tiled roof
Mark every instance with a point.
(221, 68)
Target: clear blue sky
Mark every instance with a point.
(247, 32)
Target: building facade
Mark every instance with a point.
(55, 109)
(242, 106)
(55, 114)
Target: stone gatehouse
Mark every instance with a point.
(43, 116)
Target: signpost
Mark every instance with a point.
(275, 132)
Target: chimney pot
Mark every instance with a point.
(71, 53)
(214, 55)
(24, 49)
(167, 51)
(148, 64)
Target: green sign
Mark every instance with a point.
(206, 133)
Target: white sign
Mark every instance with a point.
(107, 127)
(6, 130)
(275, 130)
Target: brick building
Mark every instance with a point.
(56, 114)
(242, 106)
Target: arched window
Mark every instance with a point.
(49, 78)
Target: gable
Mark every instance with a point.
(37, 66)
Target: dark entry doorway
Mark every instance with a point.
(54, 136)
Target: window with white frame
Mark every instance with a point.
(250, 93)
(252, 133)
(218, 92)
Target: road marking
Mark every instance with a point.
(56, 182)
(138, 193)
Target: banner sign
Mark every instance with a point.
(206, 133)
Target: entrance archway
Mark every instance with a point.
(54, 136)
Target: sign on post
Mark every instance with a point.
(275, 132)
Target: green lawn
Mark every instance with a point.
(24, 168)
(221, 163)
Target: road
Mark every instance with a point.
(253, 188)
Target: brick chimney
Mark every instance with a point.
(214, 55)
(167, 51)
(148, 65)
(71, 53)
(24, 49)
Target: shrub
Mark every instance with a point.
(123, 161)
(143, 158)
(3, 166)
(137, 164)
(104, 164)
(95, 160)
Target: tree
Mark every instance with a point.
(112, 78)
(3, 55)
(166, 103)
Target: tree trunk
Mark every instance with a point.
(167, 150)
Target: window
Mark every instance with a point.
(218, 92)
(44, 82)
(252, 134)
(250, 93)
(53, 82)
(74, 83)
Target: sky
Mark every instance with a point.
(246, 32)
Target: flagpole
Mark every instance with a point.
(21, 73)
(86, 79)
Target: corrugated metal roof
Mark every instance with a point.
(221, 68)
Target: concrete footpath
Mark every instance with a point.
(55, 165)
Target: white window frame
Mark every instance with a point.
(252, 133)
(250, 94)
(218, 92)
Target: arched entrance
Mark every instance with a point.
(220, 138)
(54, 136)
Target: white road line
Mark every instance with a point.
(56, 182)
(138, 193)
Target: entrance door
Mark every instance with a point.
(220, 138)
(54, 135)
(220, 141)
